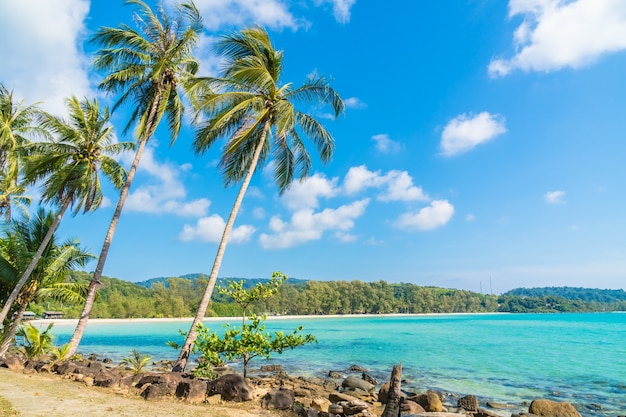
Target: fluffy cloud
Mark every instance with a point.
(41, 57)
(554, 197)
(306, 225)
(163, 192)
(437, 214)
(306, 194)
(395, 185)
(385, 145)
(271, 13)
(354, 103)
(465, 132)
(555, 34)
(211, 228)
(341, 9)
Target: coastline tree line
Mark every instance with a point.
(179, 297)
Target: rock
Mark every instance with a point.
(153, 392)
(337, 397)
(367, 377)
(357, 368)
(353, 407)
(321, 404)
(12, 362)
(335, 375)
(335, 409)
(271, 368)
(64, 368)
(547, 408)
(106, 379)
(468, 403)
(192, 391)
(497, 406)
(170, 378)
(431, 401)
(411, 407)
(354, 382)
(383, 393)
(438, 414)
(278, 399)
(231, 387)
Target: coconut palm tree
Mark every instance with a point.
(47, 281)
(256, 114)
(69, 167)
(147, 66)
(18, 124)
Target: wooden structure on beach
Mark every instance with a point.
(53, 315)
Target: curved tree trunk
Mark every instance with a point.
(12, 330)
(33, 263)
(95, 280)
(185, 351)
(95, 283)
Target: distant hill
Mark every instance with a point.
(249, 282)
(572, 293)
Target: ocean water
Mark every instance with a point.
(509, 358)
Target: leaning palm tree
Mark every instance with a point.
(18, 124)
(149, 67)
(69, 167)
(256, 114)
(48, 280)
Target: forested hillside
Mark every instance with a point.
(179, 297)
(572, 293)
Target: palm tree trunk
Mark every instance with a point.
(95, 280)
(185, 351)
(10, 333)
(33, 263)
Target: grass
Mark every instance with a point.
(6, 409)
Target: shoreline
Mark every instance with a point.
(286, 317)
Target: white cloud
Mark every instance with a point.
(271, 13)
(556, 34)
(437, 214)
(395, 185)
(41, 55)
(306, 225)
(554, 197)
(385, 145)
(470, 217)
(354, 103)
(465, 132)
(341, 9)
(163, 192)
(211, 228)
(306, 194)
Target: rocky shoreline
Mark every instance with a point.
(349, 392)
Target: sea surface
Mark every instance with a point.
(507, 358)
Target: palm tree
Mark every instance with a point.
(70, 167)
(47, 281)
(149, 67)
(256, 114)
(18, 123)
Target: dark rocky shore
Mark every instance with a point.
(349, 392)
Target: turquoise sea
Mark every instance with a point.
(510, 358)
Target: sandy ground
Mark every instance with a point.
(45, 395)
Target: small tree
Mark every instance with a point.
(250, 340)
(136, 361)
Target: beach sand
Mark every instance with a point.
(39, 395)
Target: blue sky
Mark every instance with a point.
(482, 145)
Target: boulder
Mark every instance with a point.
(278, 399)
(383, 393)
(107, 379)
(468, 403)
(431, 401)
(367, 377)
(357, 368)
(547, 408)
(231, 387)
(192, 391)
(64, 368)
(353, 407)
(411, 407)
(153, 392)
(337, 397)
(354, 382)
(335, 375)
(12, 362)
(320, 404)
